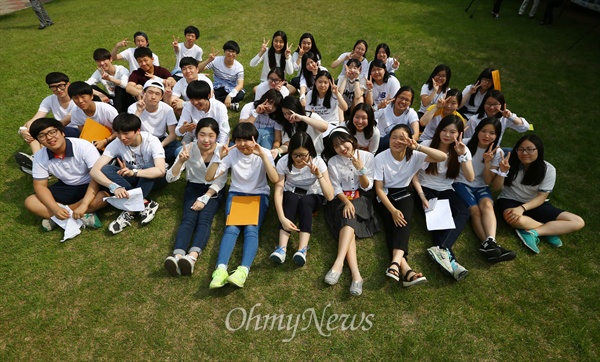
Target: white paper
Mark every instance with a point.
(134, 203)
(71, 226)
(440, 218)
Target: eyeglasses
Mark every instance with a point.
(55, 87)
(51, 133)
(402, 99)
(299, 155)
(492, 104)
(274, 81)
(526, 150)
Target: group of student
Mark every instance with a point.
(352, 146)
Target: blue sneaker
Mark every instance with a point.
(278, 256)
(530, 238)
(300, 257)
(554, 241)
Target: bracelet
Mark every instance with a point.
(113, 187)
(204, 199)
(362, 171)
(498, 172)
(464, 158)
(418, 147)
(523, 207)
(318, 178)
(21, 129)
(233, 93)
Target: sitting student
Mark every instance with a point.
(442, 108)
(435, 88)
(186, 49)
(295, 119)
(277, 56)
(325, 99)
(82, 95)
(473, 94)
(381, 86)
(202, 105)
(307, 74)
(228, 75)
(362, 126)
(145, 72)
(113, 78)
(275, 80)
(70, 161)
(141, 41)
(201, 198)
(352, 85)
(398, 112)
(263, 114)
(141, 163)
(157, 118)
(302, 188)
(524, 199)
(60, 105)
(250, 166)
(178, 96)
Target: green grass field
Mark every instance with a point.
(103, 297)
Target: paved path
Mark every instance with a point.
(9, 6)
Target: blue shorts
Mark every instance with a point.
(66, 194)
(472, 195)
(544, 213)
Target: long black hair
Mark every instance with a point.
(368, 131)
(535, 173)
(436, 70)
(452, 162)
(472, 144)
(271, 52)
(308, 76)
(313, 47)
(293, 104)
(328, 94)
(300, 140)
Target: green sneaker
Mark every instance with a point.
(219, 278)
(238, 277)
(91, 220)
(530, 238)
(554, 241)
(48, 224)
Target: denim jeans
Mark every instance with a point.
(171, 150)
(250, 233)
(199, 222)
(266, 137)
(130, 182)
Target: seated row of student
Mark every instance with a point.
(70, 160)
(279, 55)
(157, 117)
(444, 106)
(228, 74)
(141, 41)
(186, 49)
(202, 104)
(250, 166)
(296, 119)
(146, 71)
(306, 44)
(395, 168)
(488, 162)
(59, 104)
(436, 181)
(177, 97)
(201, 198)
(263, 114)
(523, 200)
(494, 105)
(141, 163)
(302, 188)
(325, 99)
(113, 78)
(350, 214)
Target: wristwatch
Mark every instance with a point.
(135, 171)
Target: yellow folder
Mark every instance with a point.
(496, 79)
(94, 131)
(244, 211)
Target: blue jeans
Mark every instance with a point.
(146, 184)
(171, 151)
(198, 221)
(250, 233)
(266, 137)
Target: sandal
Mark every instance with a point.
(393, 273)
(413, 280)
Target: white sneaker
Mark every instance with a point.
(24, 160)
(442, 257)
(149, 212)
(300, 257)
(91, 220)
(48, 224)
(278, 255)
(459, 272)
(123, 221)
(186, 264)
(172, 266)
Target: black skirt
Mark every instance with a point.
(365, 223)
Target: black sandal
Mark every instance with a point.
(393, 273)
(413, 280)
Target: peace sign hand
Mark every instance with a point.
(504, 163)
(369, 83)
(474, 88)
(123, 43)
(313, 168)
(213, 54)
(459, 146)
(436, 85)
(257, 149)
(124, 171)
(357, 162)
(396, 63)
(441, 102)
(334, 87)
(262, 108)
(288, 51)
(489, 155)
(184, 155)
(505, 112)
(264, 46)
(225, 150)
(175, 43)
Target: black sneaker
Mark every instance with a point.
(24, 160)
(149, 212)
(505, 255)
(490, 249)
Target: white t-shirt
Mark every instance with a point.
(348, 91)
(248, 173)
(52, 104)
(121, 73)
(289, 67)
(479, 166)
(388, 119)
(425, 91)
(331, 114)
(522, 193)
(217, 111)
(389, 65)
(105, 114)
(301, 178)
(397, 174)
(478, 98)
(196, 169)
(180, 88)
(194, 52)
(429, 130)
(505, 122)
(364, 66)
(344, 176)
(437, 182)
(260, 120)
(224, 76)
(385, 90)
(127, 54)
(156, 123)
(370, 144)
(316, 136)
(73, 169)
(263, 87)
(139, 157)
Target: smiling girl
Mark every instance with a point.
(358, 52)
(362, 126)
(325, 99)
(278, 55)
(436, 86)
(398, 112)
(262, 113)
(442, 108)
(473, 94)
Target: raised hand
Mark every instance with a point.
(264, 46)
(441, 102)
(313, 168)
(184, 155)
(213, 54)
(505, 112)
(369, 83)
(225, 150)
(263, 107)
(124, 171)
(175, 43)
(123, 43)
(474, 88)
(357, 162)
(459, 146)
(140, 105)
(504, 163)
(257, 149)
(488, 156)
(288, 51)
(334, 87)
(396, 63)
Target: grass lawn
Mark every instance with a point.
(103, 297)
